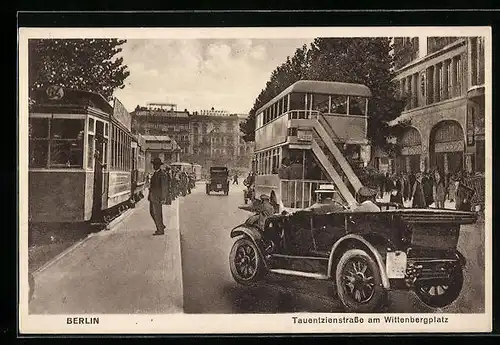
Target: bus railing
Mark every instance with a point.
(299, 193)
(302, 114)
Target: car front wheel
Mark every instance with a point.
(245, 263)
(358, 282)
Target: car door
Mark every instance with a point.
(299, 240)
(327, 229)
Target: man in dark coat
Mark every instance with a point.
(417, 195)
(411, 181)
(428, 184)
(158, 195)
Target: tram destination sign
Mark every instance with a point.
(121, 114)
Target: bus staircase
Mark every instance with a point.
(333, 161)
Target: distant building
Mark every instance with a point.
(163, 119)
(162, 147)
(214, 112)
(442, 80)
(215, 137)
(206, 137)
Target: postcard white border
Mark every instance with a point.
(241, 323)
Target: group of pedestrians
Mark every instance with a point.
(165, 185)
(424, 189)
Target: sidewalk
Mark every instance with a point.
(122, 270)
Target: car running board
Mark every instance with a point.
(299, 273)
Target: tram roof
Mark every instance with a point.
(322, 87)
(72, 97)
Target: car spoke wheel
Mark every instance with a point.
(245, 262)
(439, 293)
(358, 282)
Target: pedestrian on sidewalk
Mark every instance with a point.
(158, 195)
(439, 189)
(417, 194)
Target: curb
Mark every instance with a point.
(61, 255)
(110, 227)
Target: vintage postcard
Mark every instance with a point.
(255, 180)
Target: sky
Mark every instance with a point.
(196, 74)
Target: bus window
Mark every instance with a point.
(297, 101)
(339, 105)
(284, 104)
(321, 103)
(357, 105)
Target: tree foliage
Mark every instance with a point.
(352, 60)
(85, 64)
(292, 70)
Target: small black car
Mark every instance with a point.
(363, 254)
(219, 180)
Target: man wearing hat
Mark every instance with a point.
(366, 198)
(262, 209)
(158, 194)
(329, 200)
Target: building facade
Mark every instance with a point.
(442, 81)
(216, 139)
(206, 137)
(162, 147)
(163, 119)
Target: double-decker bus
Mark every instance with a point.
(318, 129)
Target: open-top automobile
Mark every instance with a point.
(363, 254)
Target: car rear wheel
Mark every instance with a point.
(358, 282)
(245, 263)
(439, 294)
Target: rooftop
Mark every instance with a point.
(157, 138)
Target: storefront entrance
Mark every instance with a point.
(447, 147)
(411, 151)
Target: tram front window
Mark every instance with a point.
(66, 144)
(38, 142)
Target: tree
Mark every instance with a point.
(352, 60)
(85, 64)
(292, 70)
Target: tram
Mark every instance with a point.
(182, 166)
(138, 168)
(318, 130)
(189, 168)
(84, 163)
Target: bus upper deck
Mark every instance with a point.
(313, 124)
